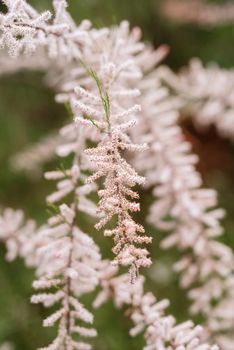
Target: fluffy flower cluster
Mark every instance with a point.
(23, 29)
(117, 197)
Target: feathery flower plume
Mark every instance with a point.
(117, 198)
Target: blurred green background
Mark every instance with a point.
(28, 111)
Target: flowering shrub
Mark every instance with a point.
(124, 132)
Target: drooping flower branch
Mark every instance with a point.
(207, 267)
(69, 258)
